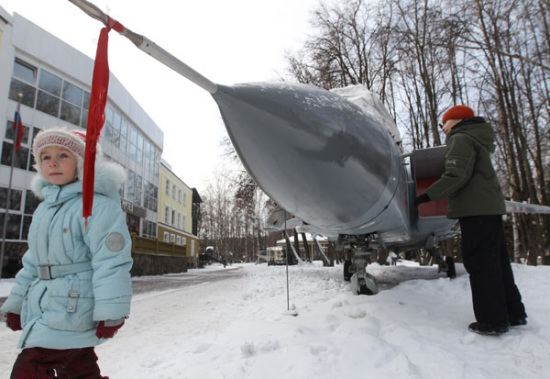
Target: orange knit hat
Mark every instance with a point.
(458, 112)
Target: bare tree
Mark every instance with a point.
(422, 56)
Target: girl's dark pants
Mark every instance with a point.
(41, 363)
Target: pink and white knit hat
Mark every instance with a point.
(72, 140)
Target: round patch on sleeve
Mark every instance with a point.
(115, 242)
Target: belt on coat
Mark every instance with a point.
(47, 272)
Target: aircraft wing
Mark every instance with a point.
(516, 207)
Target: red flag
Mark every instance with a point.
(18, 130)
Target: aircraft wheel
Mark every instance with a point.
(368, 285)
(347, 273)
(363, 289)
(364, 285)
(451, 269)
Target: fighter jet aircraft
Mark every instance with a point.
(336, 167)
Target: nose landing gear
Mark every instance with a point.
(361, 282)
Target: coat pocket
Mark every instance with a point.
(33, 302)
(69, 305)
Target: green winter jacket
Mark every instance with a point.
(469, 181)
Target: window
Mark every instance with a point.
(123, 142)
(137, 189)
(50, 83)
(13, 225)
(139, 148)
(15, 198)
(31, 202)
(166, 237)
(148, 156)
(184, 222)
(150, 199)
(49, 93)
(179, 196)
(23, 157)
(157, 164)
(173, 191)
(85, 107)
(23, 81)
(70, 113)
(168, 186)
(71, 103)
(166, 213)
(149, 229)
(173, 217)
(24, 71)
(136, 145)
(130, 186)
(133, 188)
(111, 131)
(179, 240)
(172, 238)
(47, 103)
(179, 220)
(29, 92)
(185, 199)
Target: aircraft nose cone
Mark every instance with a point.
(313, 152)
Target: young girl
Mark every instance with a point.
(74, 289)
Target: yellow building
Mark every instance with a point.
(175, 212)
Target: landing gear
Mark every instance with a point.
(451, 269)
(347, 271)
(356, 264)
(363, 284)
(445, 264)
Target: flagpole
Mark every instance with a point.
(8, 198)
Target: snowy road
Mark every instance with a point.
(141, 284)
(238, 328)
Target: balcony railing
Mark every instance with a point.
(145, 245)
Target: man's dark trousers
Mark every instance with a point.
(495, 295)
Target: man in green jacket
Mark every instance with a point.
(476, 200)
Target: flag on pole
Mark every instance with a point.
(17, 130)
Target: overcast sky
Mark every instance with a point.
(229, 42)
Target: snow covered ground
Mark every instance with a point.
(416, 327)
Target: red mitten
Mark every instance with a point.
(105, 329)
(13, 321)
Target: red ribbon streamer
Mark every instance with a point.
(96, 119)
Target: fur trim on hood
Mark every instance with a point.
(109, 176)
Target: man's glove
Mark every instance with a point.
(424, 198)
(13, 321)
(108, 328)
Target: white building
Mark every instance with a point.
(55, 80)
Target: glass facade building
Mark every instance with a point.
(55, 83)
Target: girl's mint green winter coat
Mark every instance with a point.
(72, 276)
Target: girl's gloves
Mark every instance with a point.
(105, 329)
(108, 328)
(13, 321)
